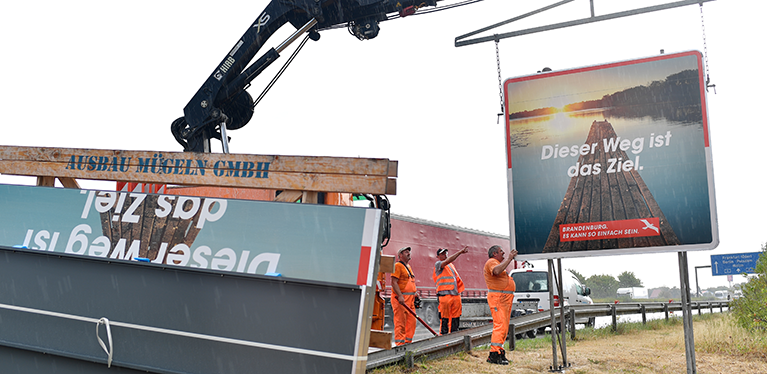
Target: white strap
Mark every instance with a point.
(109, 351)
(192, 335)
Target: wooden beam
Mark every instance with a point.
(387, 264)
(391, 187)
(303, 173)
(380, 339)
(46, 181)
(393, 166)
(308, 197)
(289, 196)
(69, 182)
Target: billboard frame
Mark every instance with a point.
(540, 250)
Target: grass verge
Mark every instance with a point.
(655, 347)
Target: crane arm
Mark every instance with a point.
(223, 101)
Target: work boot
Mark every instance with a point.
(444, 328)
(502, 355)
(495, 358)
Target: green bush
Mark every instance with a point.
(750, 310)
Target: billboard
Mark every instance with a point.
(610, 159)
(299, 241)
(240, 285)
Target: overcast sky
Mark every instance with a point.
(114, 75)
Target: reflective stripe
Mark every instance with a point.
(499, 291)
(446, 281)
(497, 344)
(408, 293)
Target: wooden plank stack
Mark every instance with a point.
(274, 172)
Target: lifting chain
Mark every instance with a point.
(705, 51)
(500, 82)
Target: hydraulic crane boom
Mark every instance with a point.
(222, 102)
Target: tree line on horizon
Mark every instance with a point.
(676, 98)
(604, 286)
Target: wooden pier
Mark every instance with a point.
(607, 196)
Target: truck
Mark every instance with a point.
(533, 289)
(722, 294)
(633, 293)
(425, 237)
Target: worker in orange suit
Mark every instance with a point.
(449, 288)
(403, 293)
(500, 294)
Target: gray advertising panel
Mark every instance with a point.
(182, 284)
(610, 159)
(175, 320)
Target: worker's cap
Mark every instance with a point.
(402, 250)
(441, 251)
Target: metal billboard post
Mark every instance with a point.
(562, 324)
(555, 279)
(697, 287)
(689, 340)
(554, 364)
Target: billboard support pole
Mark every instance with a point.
(562, 324)
(555, 279)
(553, 321)
(684, 286)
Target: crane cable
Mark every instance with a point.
(705, 51)
(437, 9)
(500, 82)
(303, 42)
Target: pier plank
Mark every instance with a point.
(607, 197)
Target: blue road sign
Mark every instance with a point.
(734, 263)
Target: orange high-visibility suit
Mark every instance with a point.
(500, 294)
(379, 304)
(404, 321)
(449, 288)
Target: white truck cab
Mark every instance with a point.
(533, 289)
(633, 293)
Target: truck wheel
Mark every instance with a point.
(532, 333)
(431, 314)
(559, 327)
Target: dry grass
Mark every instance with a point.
(720, 347)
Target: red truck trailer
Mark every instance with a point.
(425, 237)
